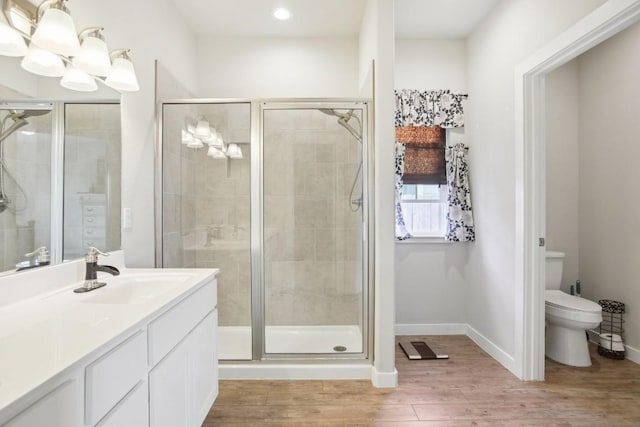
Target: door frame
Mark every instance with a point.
(606, 21)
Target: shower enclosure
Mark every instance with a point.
(281, 207)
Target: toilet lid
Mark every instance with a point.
(562, 300)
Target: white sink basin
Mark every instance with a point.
(135, 289)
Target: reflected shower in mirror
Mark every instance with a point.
(25, 191)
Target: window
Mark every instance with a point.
(424, 190)
(424, 209)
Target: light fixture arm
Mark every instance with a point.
(91, 32)
(120, 53)
(50, 4)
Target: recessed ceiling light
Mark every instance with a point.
(282, 14)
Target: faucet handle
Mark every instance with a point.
(92, 254)
(41, 254)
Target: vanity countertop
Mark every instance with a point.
(48, 334)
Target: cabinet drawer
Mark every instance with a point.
(96, 243)
(132, 411)
(93, 210)
(94, 220)
(94, 232)
(113, 375)
(167, 331)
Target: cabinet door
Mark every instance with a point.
(59, 408)
(203, 368)
(168, 404)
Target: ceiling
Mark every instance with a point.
(330, 18)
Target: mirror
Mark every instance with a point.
(60, 171)
(92, 171)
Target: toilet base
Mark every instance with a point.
(567, 346)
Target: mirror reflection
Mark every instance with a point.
(25, 190)
(81, 186)
(91, 178)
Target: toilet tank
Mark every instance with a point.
(553, 269)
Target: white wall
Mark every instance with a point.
(278, 67)
(609, 175)
(153, 30)
(431, 64)
(376, 43)
(430, 277)
(511, 32)
(562, 172)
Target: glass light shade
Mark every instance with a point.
(186, 137)
(234, 151)
(11, 42)
(214, 140)
(202, 129)
(93, 57)
(191, 128)
(122, 76)
(76, 79)
(56, 32)
(42, 62)
(215, 153)
(196, 143)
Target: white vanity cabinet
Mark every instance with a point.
(183, 382)
(161, 373)
(59, 407)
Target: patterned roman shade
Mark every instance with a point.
(424, 155)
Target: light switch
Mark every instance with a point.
(127, 218)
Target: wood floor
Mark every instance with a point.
(468, 389)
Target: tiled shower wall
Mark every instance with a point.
(312, 238)
(25, 224)
(207, 205)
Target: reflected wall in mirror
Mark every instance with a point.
(92, 171)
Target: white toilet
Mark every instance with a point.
(567, 318)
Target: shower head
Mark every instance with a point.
(17, 124)
(19, 118)
(343, 120)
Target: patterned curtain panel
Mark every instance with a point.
(429, 108)
(460, 226)
(401, 229)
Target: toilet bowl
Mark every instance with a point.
(567, 318)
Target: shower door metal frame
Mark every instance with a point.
(258, 291)
(257, 217)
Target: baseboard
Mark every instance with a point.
(292, 371)
(431, 329)
(493, 350)
(632, 354)
(384, 379)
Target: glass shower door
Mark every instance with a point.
(314, 293)
(206, 207)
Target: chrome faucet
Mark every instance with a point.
(91, 276)
(236, 228)
(41, 257)
(213, 232)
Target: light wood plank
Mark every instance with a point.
(468, 389)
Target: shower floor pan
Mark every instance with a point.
(234, 342)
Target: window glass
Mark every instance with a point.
(424, 209)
